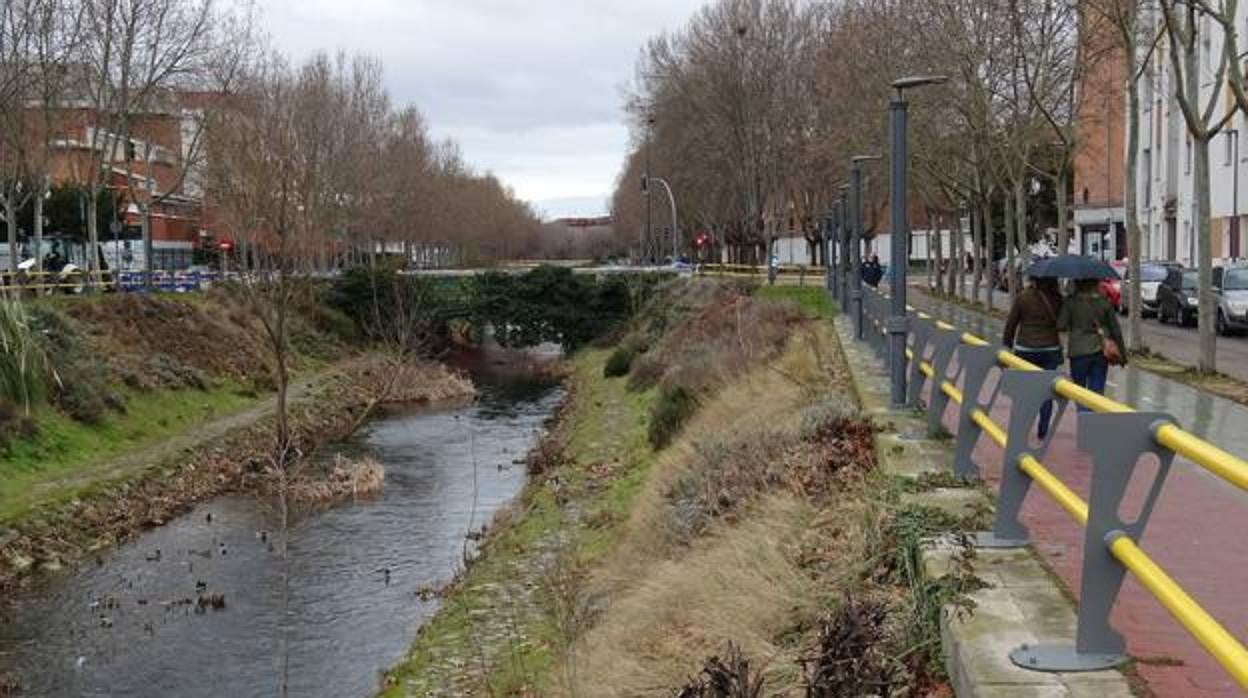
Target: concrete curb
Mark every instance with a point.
(1021, 603)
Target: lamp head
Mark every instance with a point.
(918, 81)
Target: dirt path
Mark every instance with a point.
(193, 436)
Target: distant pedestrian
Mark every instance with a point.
(872, 271)
(1094, 337)
(1031, 332)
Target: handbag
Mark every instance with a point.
(1109, 346)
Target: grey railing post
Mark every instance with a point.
(946, 343)
(1028, 391)
(974, 363)
(921, 330)
(1116, 442)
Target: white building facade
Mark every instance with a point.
(1166, 162)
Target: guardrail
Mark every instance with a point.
(78, 281)
(955, 366)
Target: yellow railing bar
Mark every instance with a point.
(1063, 495)
(1224, 464)
(1225, 648)
(1215, 460)
(1229, 652)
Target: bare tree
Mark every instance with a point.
(1123, 24)
(134, 54)
(1188, 28)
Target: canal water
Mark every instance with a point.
(359, 572)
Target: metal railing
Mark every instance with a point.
(955, 367)
(79, 281)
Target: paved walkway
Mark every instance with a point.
(1198, 533)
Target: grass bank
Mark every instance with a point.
(65, 458)
(754, 545)
(499, 627)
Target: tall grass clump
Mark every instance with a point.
(674, 406)
(23, 363)
(620, 362)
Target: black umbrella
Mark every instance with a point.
(1071, 266)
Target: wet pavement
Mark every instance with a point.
(1180, 344)
(1196, 532)
(1210, 417)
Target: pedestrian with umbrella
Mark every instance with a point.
(1031, 333)
(1093, 335)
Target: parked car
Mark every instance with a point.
(1151, 276)
(1178, 297)
(1112, 290)
(1232, 299)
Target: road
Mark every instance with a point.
(1179, 344)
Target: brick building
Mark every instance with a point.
(1099, 213)
(152, 169)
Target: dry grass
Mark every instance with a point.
(346, 477)
(738, 584)
(745, 573)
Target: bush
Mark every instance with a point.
(79, 389)
(14, 426)
(621, 360)
(23, 362)
(671, 410)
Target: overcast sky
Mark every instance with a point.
(531, 89)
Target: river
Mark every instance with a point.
(130, 625)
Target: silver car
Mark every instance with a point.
(1233, 300)
(1151, 275)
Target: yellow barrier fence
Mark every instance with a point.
(1221, 644)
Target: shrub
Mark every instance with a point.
(80, 389)
(23, 362)
(674, 406)
(621, 360)
(14, 426)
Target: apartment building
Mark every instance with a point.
(1167, 207)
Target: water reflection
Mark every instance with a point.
(131, 626)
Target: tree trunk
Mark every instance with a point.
(957, 275)
(1204, 257)
(39, 230)
(1063, 235)
(977, 242)
(10, 216)
(1011, 231)
(983, 262)
(93, 242)
(1020, 240)
(1135, 324)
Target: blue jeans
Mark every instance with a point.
(1090, 371)
(1048, 360)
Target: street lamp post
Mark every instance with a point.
(855, 242)
(899, 227)
(672, 200)
(829, 251)
(842, 239)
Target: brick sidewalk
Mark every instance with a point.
(1198, 534)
